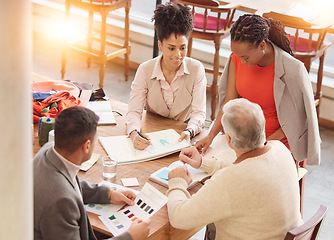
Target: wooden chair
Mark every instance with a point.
(307, 44)
(310, 229)
(212, 22)
(103, 7)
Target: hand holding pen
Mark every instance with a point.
(140, 140)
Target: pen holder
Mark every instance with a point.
(47, 124)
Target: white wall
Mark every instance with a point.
(16, 201)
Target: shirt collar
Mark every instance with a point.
(72, 168)
(157, 71)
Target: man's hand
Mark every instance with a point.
(191, 156)
(122, 196)
(181, 172)
(139, 229)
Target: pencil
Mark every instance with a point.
(140, 134)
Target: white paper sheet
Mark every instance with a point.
(162, 143)
(107, 209)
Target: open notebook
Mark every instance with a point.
(104, 111)
(218, 150)
(163, 143)
(161, 176)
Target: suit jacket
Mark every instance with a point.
(295, 106)
(59, 211)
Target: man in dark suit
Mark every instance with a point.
(59, 196)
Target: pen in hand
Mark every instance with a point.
(140, 134)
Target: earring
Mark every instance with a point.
(263, 51)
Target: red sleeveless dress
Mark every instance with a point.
(256, 84)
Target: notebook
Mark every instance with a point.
(161, 176)
(104, 111)
(218, 150)
(163, 143)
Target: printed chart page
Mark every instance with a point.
(163, 143)
(147, 203)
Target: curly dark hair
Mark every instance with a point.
(254, 29)
(172, 18)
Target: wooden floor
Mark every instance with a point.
(319, 183)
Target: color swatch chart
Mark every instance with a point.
(107, 209)
(147, 203)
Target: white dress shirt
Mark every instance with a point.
(72, 169)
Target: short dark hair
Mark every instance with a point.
(254, 29)
(172, 18)
(74, 126)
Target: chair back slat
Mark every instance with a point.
(208, 22)
(201, 3)
(218, 22)
(312, 38)
(205, 19)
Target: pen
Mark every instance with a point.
(140, 134)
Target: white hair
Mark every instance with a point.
(244, 122)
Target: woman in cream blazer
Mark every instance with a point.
(171, 85)
(259, 41)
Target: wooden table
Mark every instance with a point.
(160, 226)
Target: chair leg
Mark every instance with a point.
(64, 50)
(215, 79)
(307, 64)
(90, 36)
(126, 43)
(318, 93)
(102, 55)
(301, 186)
(63, 63)
(190, 46)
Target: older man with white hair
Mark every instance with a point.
(255, 198)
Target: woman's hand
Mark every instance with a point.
(203, 144)
(139, 142)
(184, 135)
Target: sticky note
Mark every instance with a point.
(130, 182)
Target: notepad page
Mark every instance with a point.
(103, 110)
(221, 151)
(163, 143)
